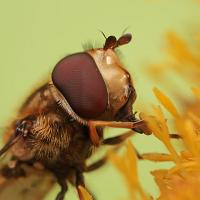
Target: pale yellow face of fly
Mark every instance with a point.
(116, 78)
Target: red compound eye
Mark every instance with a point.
(80, 82)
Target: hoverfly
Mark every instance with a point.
(62, 122)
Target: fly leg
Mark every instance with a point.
(118, 139)
(146, 156)
(121, 138)
(79, 182)
(110, 141)
(93, 124)
(96, 165)
(63, 185)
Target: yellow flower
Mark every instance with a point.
(182, 58)
(127, 165)
(178, 186)
(182, 181)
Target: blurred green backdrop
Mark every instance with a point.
(35, 34)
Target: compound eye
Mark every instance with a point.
(80, 82)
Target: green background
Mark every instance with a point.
(35, 34)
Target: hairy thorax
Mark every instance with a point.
(54, 136)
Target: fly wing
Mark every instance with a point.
(34, 186)
(37, 183)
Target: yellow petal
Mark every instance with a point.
(159, 128)
(85, 194)
(196, 92)
(187, 131)
(157, 157)
(166, 102)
